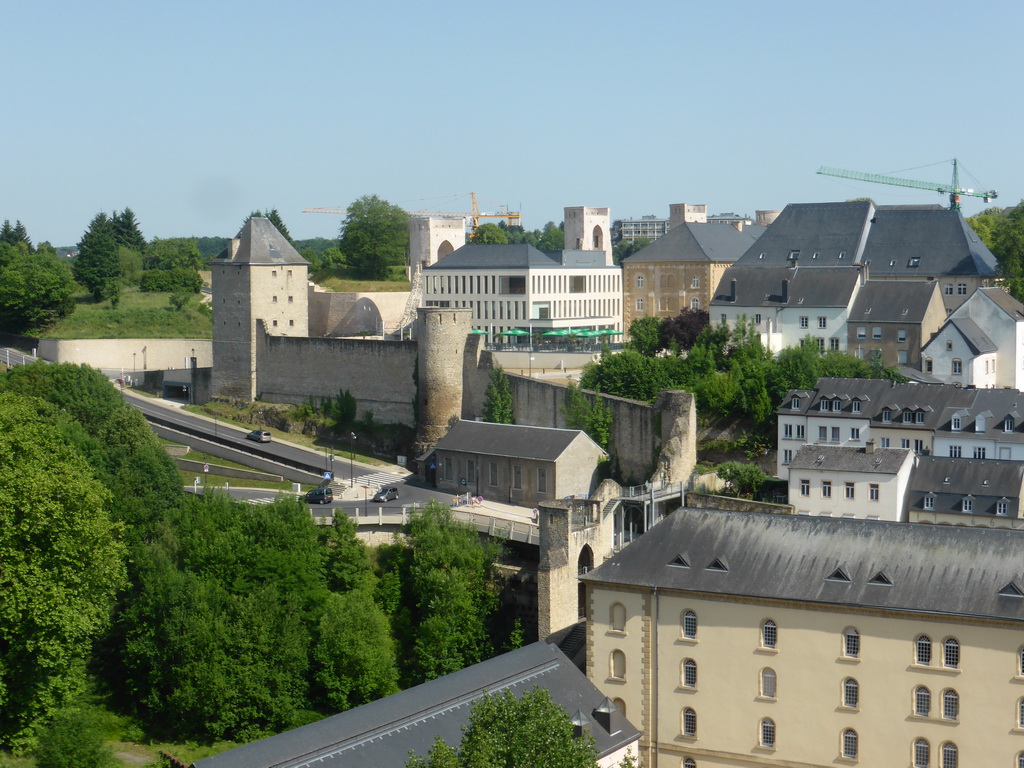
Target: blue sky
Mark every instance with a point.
(195, 113)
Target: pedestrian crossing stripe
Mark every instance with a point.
(378, 478)
(261, 500)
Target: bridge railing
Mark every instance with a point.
(524, 531)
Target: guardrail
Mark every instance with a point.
(514, 530)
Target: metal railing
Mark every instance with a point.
(524, 531)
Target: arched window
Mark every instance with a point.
(689, 673)
(689, 722)
(1020, 662)
(951, 652)
(769, 634)
(851, 643)
(768, 733)
(950, 755)
(620, 705)
(689, 625)
(689, 762)
(768, 682)
(694, 303)
(618, 665)
(1020, 713)
(922, 753)
(950, 704)
(851, 692)
(618, 617)
(922, 701)
(923, 650)
(1020, 760)
(668, 281)
(850, 744)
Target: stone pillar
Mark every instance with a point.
(441, 335)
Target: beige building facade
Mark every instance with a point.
(744, 639)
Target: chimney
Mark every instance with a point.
(235, 243)
(579, 724)
(603, 714)
(785, 291)
(869, 447)
(738, 224)
(732, 290)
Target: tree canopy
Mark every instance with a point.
(98, 266)
(489, 234)
(498, 398)
(374, 236)
(36, 289)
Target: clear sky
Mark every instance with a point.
(195, 113)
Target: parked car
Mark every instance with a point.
(259, 435)
(319, 496)
(386, 494)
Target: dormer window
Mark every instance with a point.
(886, 416)
(794, 404)
(855, 406)
(1008, 424)
(956, 424)
(794, 255)
(919, 417)
(837, 405)
(979, 424)
(929, 502)
(908, 417)
(967, 504)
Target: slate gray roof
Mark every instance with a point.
(827, 229)
(382, 733)
(890, 301)
(892, 241)
(512, 440)
(978, 477)
(882, 461)
(517, 256)
(261, 243)
(697, 242)
(1005, 302)
(971, 332)
(941, 240)
(813, 287)
(933, 569)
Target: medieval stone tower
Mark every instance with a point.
(433, 238)
(259, 277)
(588, 229)
(441, 335)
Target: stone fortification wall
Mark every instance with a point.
(127, 354)
(441, 338)
(379, 374)
(350, 314)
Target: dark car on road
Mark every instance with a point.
(386, 494)
(319, 496)
(259, 435)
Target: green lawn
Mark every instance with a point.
(138, 316)
(343, 281)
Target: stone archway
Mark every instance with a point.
(444, 249)
(598, 239)
(584, 564)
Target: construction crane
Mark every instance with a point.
(953, 190)
(514, 218)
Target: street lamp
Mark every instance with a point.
(133, 362)
(351, 458)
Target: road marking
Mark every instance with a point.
(379, 478)
(260, 500)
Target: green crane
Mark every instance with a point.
(954, 190)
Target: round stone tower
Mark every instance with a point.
(441, 334)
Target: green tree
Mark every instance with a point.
(590, 416)
(343, 411)
(127, 232)
(552, 238)
(489, 234)
(498, 398)
(645, 335)
(173, 253)
(62, 565)
(509, 732)
(743, 479)
(36, 289)
(131, 265)
(98, 265)
(374, 236)
(626, 248)
(684, 329)
(74, 739)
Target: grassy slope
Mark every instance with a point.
(342, 280)
(139, 316)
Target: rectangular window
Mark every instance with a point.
(273, 300)
(826, 489)
(542, 480)
(929, 502)
(883, 443)
(833, 344)
(800, 432)
(901, 336)
(855, 406)
(908, 417)
(821, 344)
(805, 322)
(961, 289)
(1001, 508)
(835, 434)
(787, 431)
(958, 367)
(823, 322)
(787, 456)
(695, 283)
(492, 471)
(855, 433)
(873, 492)
(902, 357)
(862, 332)
(757, 318)
(448, 468)
(967, 505)
(876, 333)
(954, 451)
(805, 487)
(919, 446)
(905, 443)
(823, 434)
(886, 416)
(517, 477)
(979, 452)
(849, 491)
(291, 299)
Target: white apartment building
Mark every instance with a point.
(519, 287)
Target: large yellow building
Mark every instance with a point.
(746, 639)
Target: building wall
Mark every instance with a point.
(432, 238)
(377, 373)
(588, 229)
(810, 668)
(892, 490)
(664, 289)
(781, 327)
(130, 355)
(948, 347)
(354, 314)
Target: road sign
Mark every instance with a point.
(206, 467)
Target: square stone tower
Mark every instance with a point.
(432, 238)
(259, 277)
(589, 229)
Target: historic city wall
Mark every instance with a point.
(352, 314)
(127, 354)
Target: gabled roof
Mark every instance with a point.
(825, 229)
(960, 477)
(511, 440)
(891, 301)
(1004, 301)
(517, 256)
(381, 734)
(261, 243)
(881, 461)
(810, 287)
(933, 569)
(941, 242)
(976, 339)
(698, 242)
